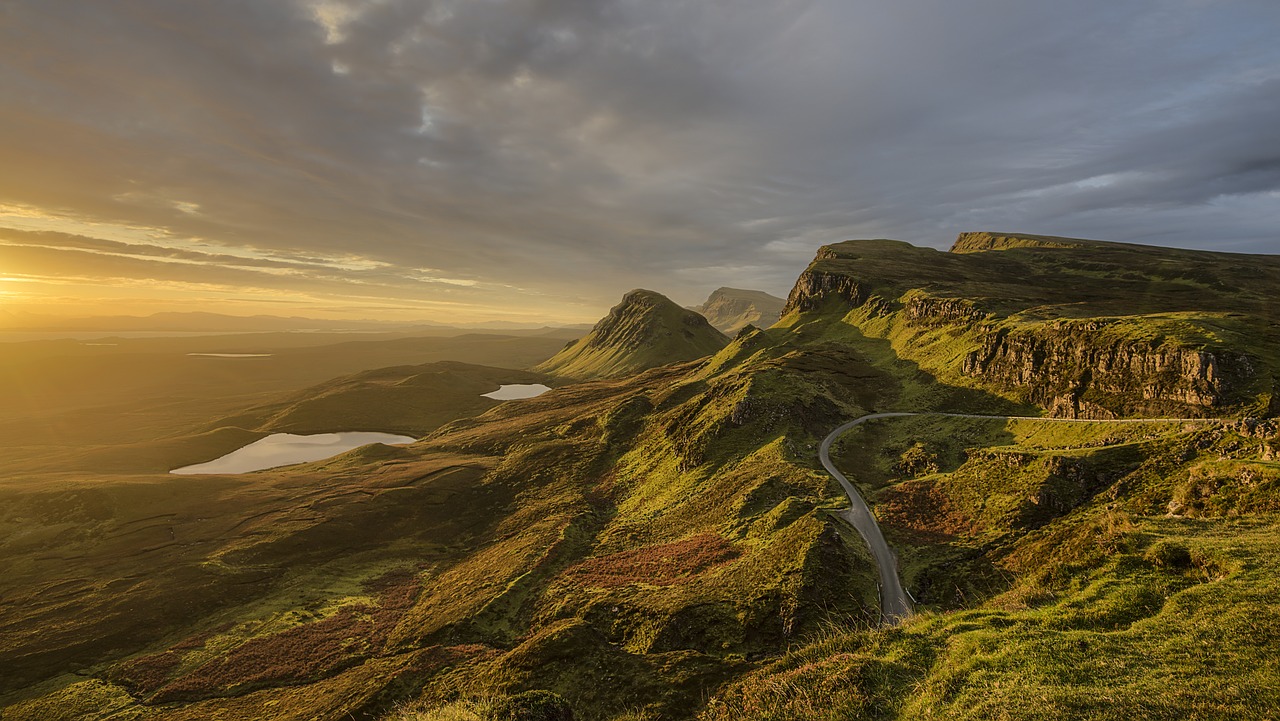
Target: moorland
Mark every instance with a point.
(655, 538)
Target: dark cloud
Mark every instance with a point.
(559, 151)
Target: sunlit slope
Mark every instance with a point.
(1063, 572)
(644, 331)
(647, 524)
(731, 309)
(1081, 328)
(662, 543)
(400, 399)
(134, 405)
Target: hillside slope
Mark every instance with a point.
(729, 310)
(662, 545)
(1081, 328)
(410, 400)
(644, 331)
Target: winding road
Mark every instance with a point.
(895, 604)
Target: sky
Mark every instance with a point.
(469, 160)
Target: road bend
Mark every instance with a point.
(895, 604)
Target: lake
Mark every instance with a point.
(286, 449)
(516, 391)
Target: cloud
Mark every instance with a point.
(552, 153)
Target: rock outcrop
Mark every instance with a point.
(1076, 373)
(815, 287)
(1081, 328)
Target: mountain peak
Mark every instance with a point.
(644, 331)
(730, 309)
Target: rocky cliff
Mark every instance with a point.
(1077, 371)
(1080, 328)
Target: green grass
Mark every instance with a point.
(1114, 610)
(662, 545)
(1089, 300)
(644, 331)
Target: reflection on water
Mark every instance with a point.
(232, 355)
(516, 391)
(283, 449)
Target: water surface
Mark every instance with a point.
(516, 391)
(285, 449)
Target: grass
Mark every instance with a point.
(661, 545)
(144, 406)
(471, 710)
(1114, 610)
(1062, 311)
(645, 330)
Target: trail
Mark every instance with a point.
(895, 604)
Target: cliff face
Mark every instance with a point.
(982, 241)
(1079, 374)
(815, 287)
(1081, 328)
(929, 311)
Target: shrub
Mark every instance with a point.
(1168, 554)
(916, 461)
(532, 706)
(662, 565)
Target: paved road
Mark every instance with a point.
(895, 604)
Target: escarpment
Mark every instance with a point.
(930, 311)
(1080, 374)
(1083, 329)
(815, 287)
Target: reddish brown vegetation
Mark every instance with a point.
(924, 511)
(146, 673)
(303, 653)
(197, 641)
(662, 565)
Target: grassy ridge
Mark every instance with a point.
(645, 330)
(661, 544)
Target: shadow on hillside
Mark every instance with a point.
(899, 463)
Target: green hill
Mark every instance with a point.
(729, 310)
(664, 544)
(644, 331)
(1081, 328)
(410, 400)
